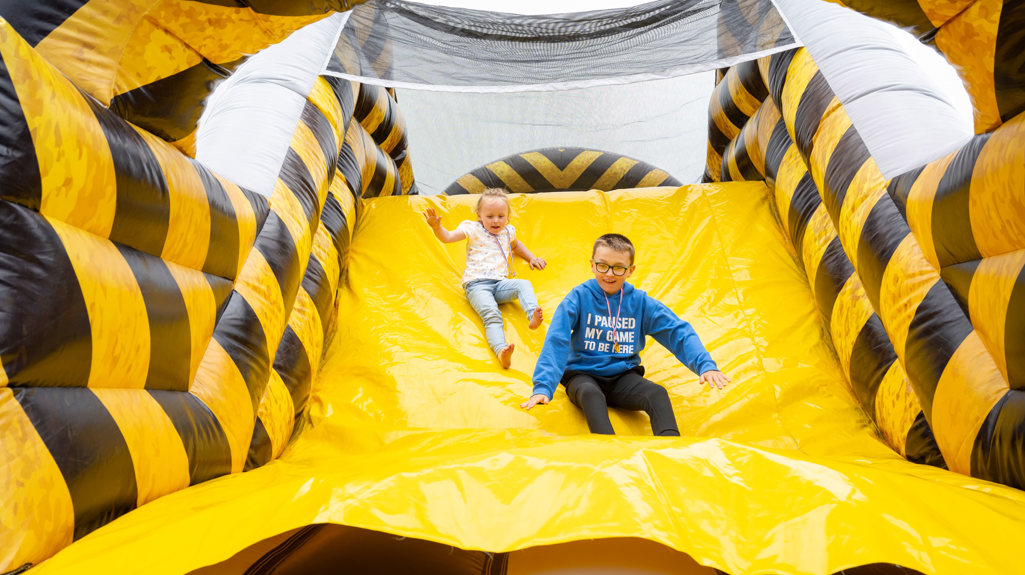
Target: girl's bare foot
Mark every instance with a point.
(536, 318)
(505, 356)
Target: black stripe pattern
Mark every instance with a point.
(170, 107)
(45, 336)
(550, 180)
(35, 20)
(89, 449)
(202, 436)
(19, 167)
(951, 227)
(143, 208)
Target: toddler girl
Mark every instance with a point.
(491, 243)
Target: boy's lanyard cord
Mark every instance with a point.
(608, 306)
(508, 264)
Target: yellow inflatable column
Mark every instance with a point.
(308, 169)
(379, 114)
(967, 212)
(736, 97)
(955, 376)
(764, 150)
(122, 254)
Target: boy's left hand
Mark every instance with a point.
(534, 400)
(537, 263)
(714, 377)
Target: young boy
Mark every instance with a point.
(595, 339)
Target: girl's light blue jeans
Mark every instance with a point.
(485, 295)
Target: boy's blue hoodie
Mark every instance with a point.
(580, 336)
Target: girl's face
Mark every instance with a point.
(494, 215)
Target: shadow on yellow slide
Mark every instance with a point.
(416, 431)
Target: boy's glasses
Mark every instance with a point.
(604, 268)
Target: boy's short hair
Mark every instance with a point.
(491, 194)
(615, 242)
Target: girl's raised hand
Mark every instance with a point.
(433, 219)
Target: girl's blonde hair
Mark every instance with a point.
(492, 193)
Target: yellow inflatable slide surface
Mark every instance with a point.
(416, 431)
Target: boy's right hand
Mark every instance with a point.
(534, 400)
(433, 219)
(714, 377)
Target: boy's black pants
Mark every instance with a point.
(594, 394)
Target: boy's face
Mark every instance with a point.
(617, 262)
(494, 215)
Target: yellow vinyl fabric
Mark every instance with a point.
(921, 275)
(414, 429)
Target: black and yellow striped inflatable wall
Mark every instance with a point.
(161, 326)
(756, 145)
(921, 276)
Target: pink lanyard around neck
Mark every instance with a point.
(608, 306)
(508, 264)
